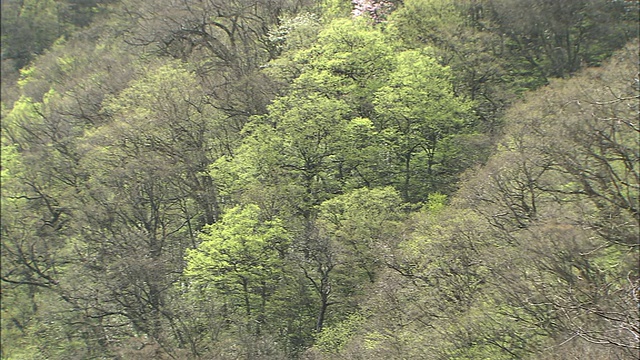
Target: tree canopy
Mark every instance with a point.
(295, 179)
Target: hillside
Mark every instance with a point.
(292, 179)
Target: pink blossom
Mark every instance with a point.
(375, 9)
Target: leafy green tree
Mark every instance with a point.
(399, 114)
(350, 60)
(290, 167)
(460, 36)
(339, 75)
(240, 262)
(342, 251)
(417, 111)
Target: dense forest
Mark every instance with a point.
(334, 179)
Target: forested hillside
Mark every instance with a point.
(335, 179)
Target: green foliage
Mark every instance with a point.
(241, 259)
(331, 9)
(295, 33)
(575, 32)
(271, 180)
(30, 27)
(362, 222)
(436, 203)
(392, 115)
(240, 246)
(10, 167)
(299, 153)
(353, 58)
(333, 338)
(417, 110)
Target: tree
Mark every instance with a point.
(557, 38)
(226, 41)
(342, 250)
(417, 112)
(400, 114)
(567, 165)
(31, 27)
(240, 263)
(352, 60)
(145, 197)
(376, 10)
(460, 36)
